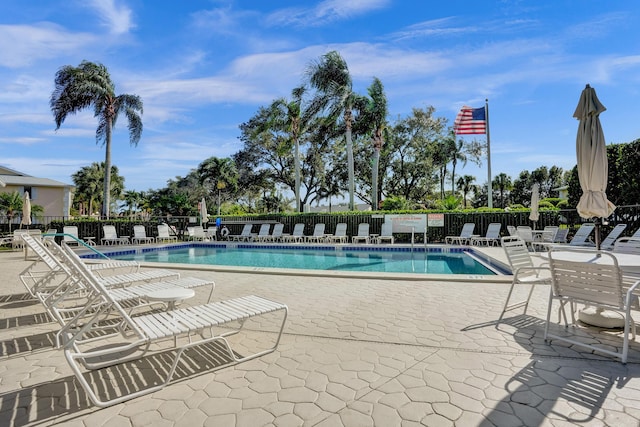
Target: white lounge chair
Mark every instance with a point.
(546, 238)
(245, 234)
(491, 238)
(340, 235)
(140, 235)
(137, 334)
(523, 270)
(111, 236)
(512, 230)
(386, 233)
(627, 245)
(318, 234)
(576, 279)
(296, 236)
(609, 241)
(276, 233)
(71, 235)
(17, 242)
(164, 235)
(465, 235)
(199, 234)
(363, 234)
(582, 235)
(263, 233)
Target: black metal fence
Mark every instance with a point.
(453, 222)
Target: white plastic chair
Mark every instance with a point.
(340, 235)
(111, 236)
(244, 235)
(465, 235)
(576, 279)
(263, 233)
(523, 270)
(137, 334)
(163, 234)
(491, 238)
(140, 235)
(318, 234)
(363, 233)
(386, 233)
(296, 236)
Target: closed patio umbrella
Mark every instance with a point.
(593, 169)
(535, 200)
(204, 215)
(26, 210)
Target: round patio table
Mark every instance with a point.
(171, 296)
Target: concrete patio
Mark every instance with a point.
(356, 352)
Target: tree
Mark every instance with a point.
(465, 184)
(219, 174)
(330, 77)
(374, 120)
(411, 166)
(502, 182)
(11, 205)
(90, 85)
(288, 117)
(89, 181)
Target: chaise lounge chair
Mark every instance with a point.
(363, 234)
(340, 236)
(386, 233)
(491, 238)
(465, 235)
(111, 236)
(263, 233)
(157, 333)
(296, 236)
(163, 234)
(140, 235)
(318, 234)
(245, 234)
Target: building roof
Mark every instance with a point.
(13, 177)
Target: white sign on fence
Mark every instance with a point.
(408, 223)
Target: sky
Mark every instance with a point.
(203, 67)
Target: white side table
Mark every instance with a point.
(171, 296)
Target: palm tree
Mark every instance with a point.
(219, 174)
(330, 77)
(10, 205)
(375, 118)
(89, 181)
(132, 199)
(288, 116)
(465, 184)
(457, 152)
(502, 182)
(90, 85)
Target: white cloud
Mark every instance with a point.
(23, 45)
(325, 12)
(116, 18)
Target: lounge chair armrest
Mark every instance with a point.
(539, 268)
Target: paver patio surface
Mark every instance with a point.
(356, 352)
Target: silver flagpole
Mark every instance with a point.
(490, 189)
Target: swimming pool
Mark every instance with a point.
(387, 259)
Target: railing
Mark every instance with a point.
(453, 222)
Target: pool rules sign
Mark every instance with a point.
(435, 220)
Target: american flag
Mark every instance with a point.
(470, 121)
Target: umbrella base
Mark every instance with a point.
(601, 318)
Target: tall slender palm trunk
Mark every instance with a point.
(107, 173)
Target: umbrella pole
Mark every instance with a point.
(597, 222)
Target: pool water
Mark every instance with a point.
(316, 259)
